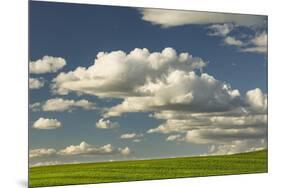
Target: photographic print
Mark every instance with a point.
(122, 94)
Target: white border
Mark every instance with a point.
(14, 81)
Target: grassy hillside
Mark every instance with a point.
(253, 162)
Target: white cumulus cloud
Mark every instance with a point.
(257, 44)
(219, 24)
(42, 152)
(126, 151)
(238, 147)
(106, 124)
(45, 123)
(220, 29)
(172, 18)
(60, 105)
(35, 107)
(47, 64)
(245, 42)
(217, 135)
(239, 129)
(176, 91)
(87, 149)
(117, 74)
(257, 100)
(176, 137)
(82, 149)
(130, 135)
(35, 83)
(233, 41)
(180, 91)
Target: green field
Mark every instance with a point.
(253, 162)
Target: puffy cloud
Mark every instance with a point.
(222, 25)
(203, 121)
(47, 64)
(173, 126)
(260, 39)
(35, 83)
(45, 123)
(253, 44)
(60, 105)
(220, 29)
(258, 44)
(86, 149)
(172, 18)
(255, 49)
(126, 151)
(176, 137)
(238, 147)
(206, 110)
(106, 124)
(233, 41)
(82, 149)
(130, 135)
(240, 129)
(117, 74)
(257, 100)
(181, 121)
(35, 107)
(180, 91)
(42, 152)
(218, 135)
(239, 121)
(245, 42)
(227, 131)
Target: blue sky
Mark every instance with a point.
(231, 49)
